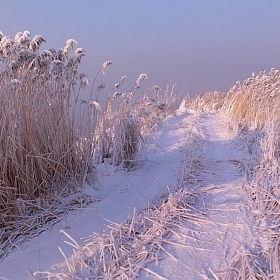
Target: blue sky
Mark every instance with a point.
(200, 45)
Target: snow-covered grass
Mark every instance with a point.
(128, 118)
(251, 104)
(44, 153)
(122, 250)
(51, 136)
(258, 258)
(253, 111)
(208, 101)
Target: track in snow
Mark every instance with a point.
(212, 243)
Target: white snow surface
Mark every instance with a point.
(201, 251)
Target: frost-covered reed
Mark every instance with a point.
(128, 117)
(208, 101)
(251, 104)
(51, 135)
(252, 110)
(44, 138)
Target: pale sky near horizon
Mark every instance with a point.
(200, 45)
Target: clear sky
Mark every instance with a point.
(200, 45)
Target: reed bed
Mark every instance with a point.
(51, 135)
(205, 102)
(252, 109)
(249, 105)
(45, 146)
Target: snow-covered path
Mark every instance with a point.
(209, 245)
(212, 242)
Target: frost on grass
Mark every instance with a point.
(258, 128)
(122, 250)
(258, 258)
(50, 136)
(106, 65)
(42, 132)
(260, 93)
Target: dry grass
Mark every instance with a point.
(252, 109)
(257, 100)
(50, 136)
(258, 257)
(128, 118)
(44, 139)
(155, 105)
(205, 102)
(122, 250)
(26, 227)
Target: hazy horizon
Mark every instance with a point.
(198, 45)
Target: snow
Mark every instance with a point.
(206, 246)
(214, 241)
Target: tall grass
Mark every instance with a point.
(50, 136)
(44, 136)
(251, 104)
(41, 128)
(252, 110)
(208, 101)
(127, 120)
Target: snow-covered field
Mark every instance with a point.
(198, 249)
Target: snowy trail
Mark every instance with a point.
(209, 245)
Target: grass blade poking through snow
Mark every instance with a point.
(122, 250)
